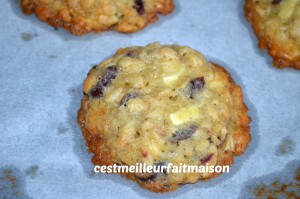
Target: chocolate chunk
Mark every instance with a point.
(276, 1)
(131, 53)
(183, 134)
(139, 6)
(127, 97)
(195, 86)
(109, 74)
(206, 159)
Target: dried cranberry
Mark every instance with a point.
(206, 159)
(97, 92)
(131, 53)
(109, 74)
(127, 97)
(276, 1)
(139, 6)
(183, 134)
(145, 154)
(195, 86)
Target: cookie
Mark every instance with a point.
(157, 105)
(277, 26)
(84, 16)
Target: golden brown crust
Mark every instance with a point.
(241, 138)
(241, 135)
(80, 20)
(282, 52)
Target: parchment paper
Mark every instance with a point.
(42, 151)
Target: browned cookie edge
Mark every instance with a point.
(274, 48)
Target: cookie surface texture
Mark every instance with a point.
(277, 26)
(84, 16)
(163, 104)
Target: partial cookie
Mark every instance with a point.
(84, 16)
(163, 104)
(277, 26)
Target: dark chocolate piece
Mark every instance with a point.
(195, 86)
(183, 134)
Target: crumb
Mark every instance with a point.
(76, 90)
(28, 36)
(288, 189)
(286, 147)
(62, 129)
(92, 174)
(32, 171)
(7, 171)
(260, 191)
(52, 56)
(12, 183)
(8, 177)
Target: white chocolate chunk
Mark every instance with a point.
(287, 8)
(154, 149)
(173, 73)
(137, 105)
(185, 115)
(229, 144)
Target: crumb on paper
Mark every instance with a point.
(32, 171)
(286, 147)
(28, 36)
(12, 183)
(7, 181)
(92, 174)
(62, 129)
(52, 56)
(10, 178)
(277, 189)
(76, 90)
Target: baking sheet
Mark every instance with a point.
(42, 152)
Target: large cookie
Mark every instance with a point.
(277, 26)
(83, 16)
(163, 104)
